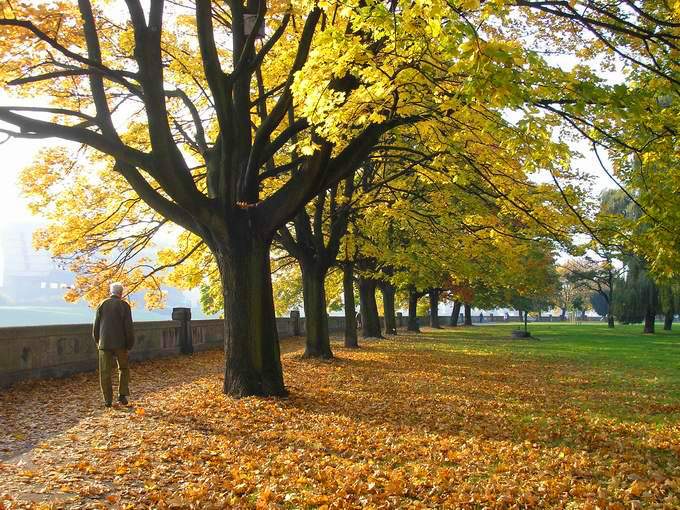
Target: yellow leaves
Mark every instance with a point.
(94, 216)
(265, 498)
(396, 485)
(307, 148)
(449, 429)
(636, 488)
(435, 27)
(470, 4)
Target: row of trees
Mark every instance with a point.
(402, 142)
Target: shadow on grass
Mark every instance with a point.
(446, 397)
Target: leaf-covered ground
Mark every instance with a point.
(464, 419)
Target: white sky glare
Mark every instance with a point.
(15, 154)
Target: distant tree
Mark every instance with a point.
(623, 222)
(639, 296)
(578, 304)
(589, 275)
(669, 300)
(599, 304)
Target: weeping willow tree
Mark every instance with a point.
(638, 299)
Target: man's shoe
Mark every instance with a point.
(123, 400)
(107, 404)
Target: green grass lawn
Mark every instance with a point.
(621, 358)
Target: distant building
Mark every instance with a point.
(28, 276)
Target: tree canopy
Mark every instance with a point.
(218, 122)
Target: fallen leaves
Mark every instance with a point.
(399, 423)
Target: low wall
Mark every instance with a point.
(39, 352)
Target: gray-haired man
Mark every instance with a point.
(113, 334)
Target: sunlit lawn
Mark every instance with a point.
(580, 417)
(623, 354)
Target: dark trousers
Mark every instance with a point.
(106, 358)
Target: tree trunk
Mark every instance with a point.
(252, 361)
(318, 344)
(370, 320)
(413, 311)
(388, 292)
(650, 315)
(668, 320)
(563, 314)
(519, 312)
(652, 300)
(351, 339)
(434, 308)
(526, 318)
(455, 313)
(468, 315)
(610, 320)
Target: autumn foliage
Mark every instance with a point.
(433, 421)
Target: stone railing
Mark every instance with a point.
(40, 352)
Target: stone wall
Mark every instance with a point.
(38, 352)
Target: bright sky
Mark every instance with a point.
(15, 155)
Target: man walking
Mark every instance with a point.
(113, 334)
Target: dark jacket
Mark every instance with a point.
(113, 325)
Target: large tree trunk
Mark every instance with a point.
(455, 313)
(388, 292)
(253, 363)
(318, 344)
(434, 308)
(413, 310)
(370, 320)
(468, 315)
(351, 339)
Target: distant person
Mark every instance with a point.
(481, 316)
(506, 316)
(358, 319)
(114, 337)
